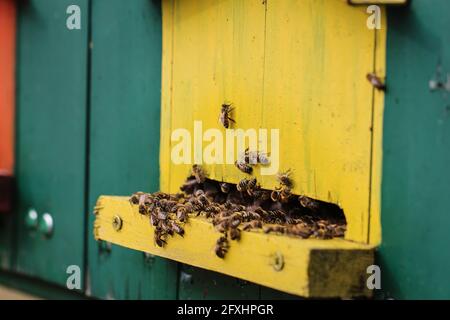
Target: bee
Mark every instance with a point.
(254, 224)
(235, 234)
(224, 117)
(204, 200)
(308, 203)
(221, 247)
(177, 228)
(198, 173)
(285, 194)
(284, 178)
(263, 158)
(134, 199)
(275, 195)
(244, 167)
(376, 81)
(300, 230)
(276, 228)
(182, 213)
(242, 185)
(225, 187)
(159, 238)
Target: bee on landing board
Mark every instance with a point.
(224, 116)
(221, 247)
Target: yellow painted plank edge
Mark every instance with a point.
(381, 2)
(311, 268)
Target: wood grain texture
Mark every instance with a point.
(297, 66)
(312, 268)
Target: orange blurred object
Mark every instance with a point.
(7, 100)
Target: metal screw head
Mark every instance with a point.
(31, 220)
(277, 261)
(117, 223)
(46, 224)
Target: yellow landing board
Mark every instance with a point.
(308, 268)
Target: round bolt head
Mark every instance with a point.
(31, 219)
(46, 224)
(117, 223)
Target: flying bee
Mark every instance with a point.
(235, 234)
(263, 158)
(225, 187)
(308, 203)
(221, 247)
(244, 167)
(224, 117)
(376, 81)
(284, 178)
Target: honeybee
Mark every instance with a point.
(235, 233)
(308, 203)
(224, 117)
(198, 173)
(275, 195)
(275, 228)
(134, 199)
(159, 238)
(285, 194)
(254, 224)
(225, 187)
(182, 213)
(284, 178)
(376, 81)
(244, 167)
(177, 228)
(263, 158)
(222, 246)
(300, 230)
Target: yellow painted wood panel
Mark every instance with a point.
(299, 66)
(381, 2)
(311, 268)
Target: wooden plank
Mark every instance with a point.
(312, 268)
(276, 61)
(51, 137)
(380, 2)
(125, 115)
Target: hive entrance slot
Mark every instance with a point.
(233, 208)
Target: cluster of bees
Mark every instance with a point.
(233, 208)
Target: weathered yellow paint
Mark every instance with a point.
(299, 66)
(312, 268)
(381, 2)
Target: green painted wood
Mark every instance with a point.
(124, 139)
(6, 240)
(51, 135)
(202, 284)
(414, 255)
